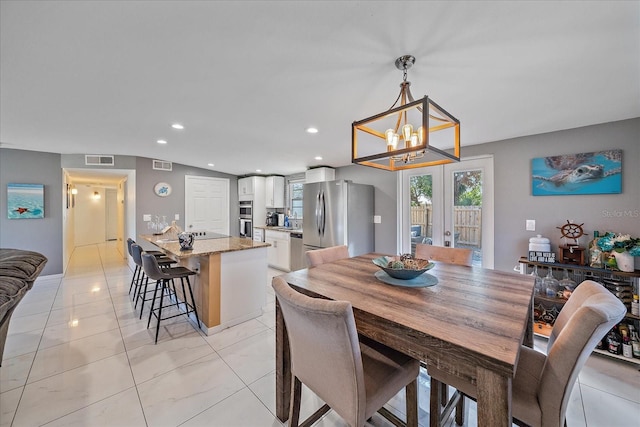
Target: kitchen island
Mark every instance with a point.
(230, 285)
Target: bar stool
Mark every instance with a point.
(137, 272)
(163, 277)
(139, 294)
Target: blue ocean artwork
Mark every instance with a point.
(25, 201)
(585, 173)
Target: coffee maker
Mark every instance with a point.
(272, 219)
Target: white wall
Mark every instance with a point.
(89, 216)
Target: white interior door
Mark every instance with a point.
(452, 206)
(111, 216)
(207, 204)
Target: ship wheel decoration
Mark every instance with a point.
(572, 231)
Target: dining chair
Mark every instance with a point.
(542, 385)
(352, 377)
(321, 256)
(460, 256)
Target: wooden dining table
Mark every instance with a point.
(471, 323)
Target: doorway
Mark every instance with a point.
(206, 204)
(449, 205)
(120, 182)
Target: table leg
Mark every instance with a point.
(494, 399)
(283, 368)
(528, 333)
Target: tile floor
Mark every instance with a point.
(77, 354)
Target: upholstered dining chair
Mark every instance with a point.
(460, 256)
(543, 383)
(353, 378)
(321, 256)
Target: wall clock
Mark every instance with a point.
(162, 189)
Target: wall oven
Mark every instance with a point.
(246, 218)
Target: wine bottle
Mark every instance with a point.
(595, 254)
(626, 344)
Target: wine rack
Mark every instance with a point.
(547, 307)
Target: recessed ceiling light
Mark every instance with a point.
(177, 126)
(312, 130)
(318, 157)
(258, 170)
(210, 164)
(161, 141)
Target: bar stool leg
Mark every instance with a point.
(193, 301)
(133, 279)
(164, 285)
(153, 303)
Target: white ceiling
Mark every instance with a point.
(247, 78)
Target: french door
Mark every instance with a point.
(448, 205)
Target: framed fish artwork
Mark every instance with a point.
(599, 172)
(25, 201)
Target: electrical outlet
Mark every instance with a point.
(146, 217)
(177, 217)
(377, 219)
(531, 225)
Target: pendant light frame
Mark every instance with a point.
(433, 118)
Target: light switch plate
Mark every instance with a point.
(177, 217)
(377, 219)
(531, 225)
(146, 217)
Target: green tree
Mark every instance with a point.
(421, 189)
(468, 188)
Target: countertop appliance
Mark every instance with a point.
(246, 218)
(272, 219)
(338, 213)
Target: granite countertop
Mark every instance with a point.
(283, 229)
(204, 246)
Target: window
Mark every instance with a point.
(295, 198)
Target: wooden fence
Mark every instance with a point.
(467, 222)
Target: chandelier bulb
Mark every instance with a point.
(389, 136)
(421, 135)
(407, 130)
(394, 143)
(414, 139)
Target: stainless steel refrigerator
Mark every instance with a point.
(338, 213)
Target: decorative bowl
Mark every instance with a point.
(419, 267)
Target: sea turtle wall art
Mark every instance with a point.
(585, 173)
(25, 201)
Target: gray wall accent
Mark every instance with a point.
(40, 235)
(148, 203)
(514, 203)
(385, 201)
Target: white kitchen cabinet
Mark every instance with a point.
(319, 175)
(274, 193)
(250, 187)
(278, 254)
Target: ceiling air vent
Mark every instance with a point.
(98, 160)
(161, 165)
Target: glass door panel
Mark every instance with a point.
(449, 205)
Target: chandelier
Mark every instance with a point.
(415, 133)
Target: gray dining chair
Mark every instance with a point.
(321, 256)
(543, 383)
(353, 378)
(459, 256)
